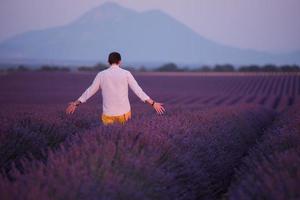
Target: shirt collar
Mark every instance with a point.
(114, 66)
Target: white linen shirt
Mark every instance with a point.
(114, 83)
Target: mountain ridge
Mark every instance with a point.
(150, 36)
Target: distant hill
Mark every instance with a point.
(150, 36)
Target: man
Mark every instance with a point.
(114, 83)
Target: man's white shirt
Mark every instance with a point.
(114, 83)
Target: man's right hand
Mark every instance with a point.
(159, 108)
(72, 107)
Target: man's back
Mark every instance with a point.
(114, 85)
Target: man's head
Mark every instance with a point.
(114, 58)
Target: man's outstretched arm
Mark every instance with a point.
(158, 107)
(143, 96)
(89, 92)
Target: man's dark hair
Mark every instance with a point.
(114, 58)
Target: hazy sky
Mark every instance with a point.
(268, 25)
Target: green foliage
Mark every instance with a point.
(249, 68)
(49, 68)
(97, 67)
(269, 68)
(169, 67)
(224, 68)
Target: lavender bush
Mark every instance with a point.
(271, 170)
(190, 156)
(29, 135)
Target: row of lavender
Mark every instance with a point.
(188, 156)
(28, 132)
(272, 168)
(276, 91)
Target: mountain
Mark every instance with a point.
(150, 36)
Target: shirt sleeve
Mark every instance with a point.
(134, 86)
(91, 90)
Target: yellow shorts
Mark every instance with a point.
(107, 120)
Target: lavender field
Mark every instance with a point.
(224, 136)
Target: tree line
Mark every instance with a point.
(230, 68)
(168, 67)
